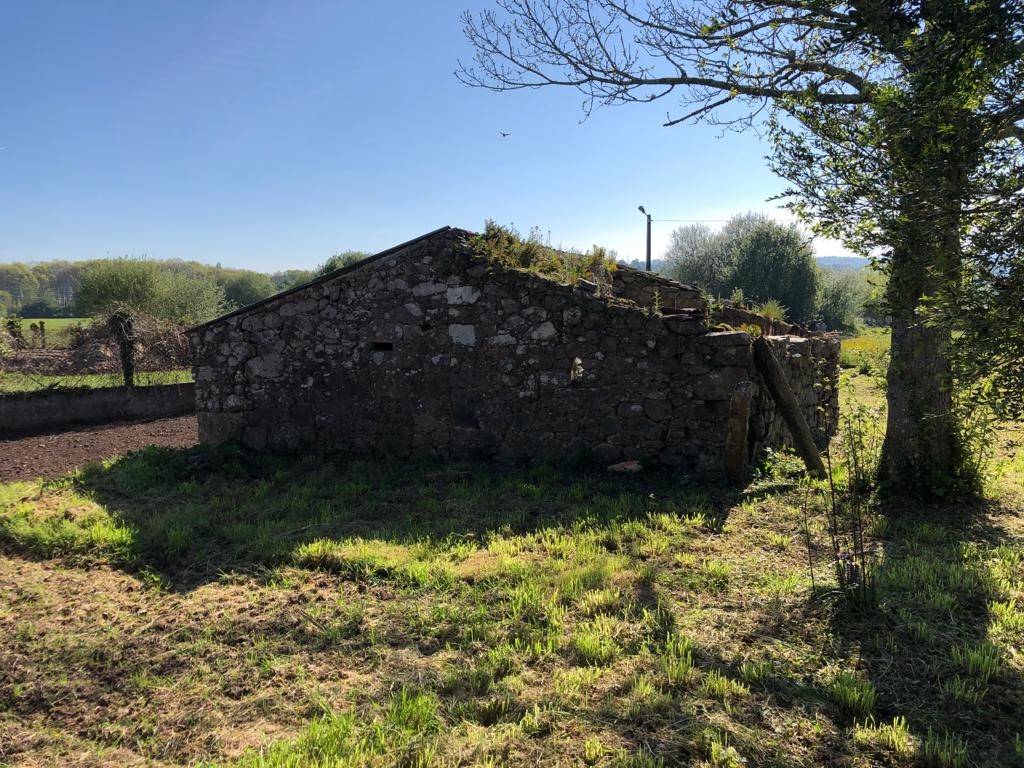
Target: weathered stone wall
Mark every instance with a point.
(737, 318)
(811, 365)
(28, 412)
(432, 350)
(649, 289)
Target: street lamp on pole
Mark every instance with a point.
(645, 213)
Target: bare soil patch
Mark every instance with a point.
(52, 455)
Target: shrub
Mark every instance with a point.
(840, 297)
(772, 309)
(244, 288)
(776, 262)
(753, 257)
(164, 292)
(43, 307)
(341, 260)
(695, 256)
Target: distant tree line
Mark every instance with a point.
(757, 261)
(180, 291)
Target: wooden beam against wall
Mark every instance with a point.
(785, 400)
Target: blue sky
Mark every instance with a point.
(270, 135)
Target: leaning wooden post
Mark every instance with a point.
(788, 406)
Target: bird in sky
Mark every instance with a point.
(504, 135)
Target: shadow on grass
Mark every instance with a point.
(938, 641)
(936, 647)
(191, 514)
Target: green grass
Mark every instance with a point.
(851, 694)
(403, 732)
(56, 329)
(216, 607)
(866, 352)
(31, 382)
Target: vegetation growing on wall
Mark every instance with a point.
(506, 246)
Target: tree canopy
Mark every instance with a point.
(243, 287)
(48, 289)
(175, 295)
(339, 260)
(899, 125)
(752, 254)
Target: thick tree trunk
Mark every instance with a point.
(922, 452)
(921, 449)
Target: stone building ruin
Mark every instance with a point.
(433, 349)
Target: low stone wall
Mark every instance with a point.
(811, 365)
(433, 350)
(649, 289)
(737, 318)
(45, 410)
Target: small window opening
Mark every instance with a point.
(383, 346)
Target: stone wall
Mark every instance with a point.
(433, 350)
(29, 412)
(811, 365)
(649, 289)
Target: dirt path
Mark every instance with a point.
(51, 455)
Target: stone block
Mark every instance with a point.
(463, 334)
(657, 409)
(463, 294)
(726, 338)
(630, 410)
(544, 332)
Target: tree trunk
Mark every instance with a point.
(922, 452)
(921, 446)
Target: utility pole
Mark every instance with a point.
(645, 213)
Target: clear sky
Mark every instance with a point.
(272, 134)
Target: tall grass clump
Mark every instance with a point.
(772, 309)
(402, 733)
(851, 694)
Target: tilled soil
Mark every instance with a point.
(51, 455)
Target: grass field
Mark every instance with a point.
(218, 608)
(868, 351)
(56, 329)
(31, 382)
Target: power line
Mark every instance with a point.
(696, 221)
(710, 221)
